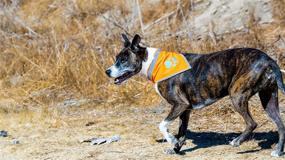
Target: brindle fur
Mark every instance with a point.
(239, 73)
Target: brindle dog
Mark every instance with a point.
(239, 73)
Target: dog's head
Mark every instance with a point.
(128, 61)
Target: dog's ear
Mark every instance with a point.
(137, 49)
(126, 40)
(136, 41)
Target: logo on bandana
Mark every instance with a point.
(170, 62)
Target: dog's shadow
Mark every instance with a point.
(211, 139)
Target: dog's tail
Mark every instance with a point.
(278, 77)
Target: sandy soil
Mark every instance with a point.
(55, 133)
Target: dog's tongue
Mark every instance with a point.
(122, 78)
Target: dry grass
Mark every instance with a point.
(56, 51)
(52, 50)
(66, 53)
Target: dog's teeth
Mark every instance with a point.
(117, 80)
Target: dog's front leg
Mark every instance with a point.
(163, 127)
(181, 136)
(176, 111)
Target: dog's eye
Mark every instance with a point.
(123, 60)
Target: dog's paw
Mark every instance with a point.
(169, 151)
(235, 142)
(276, 153)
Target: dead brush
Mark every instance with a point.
(67, 45)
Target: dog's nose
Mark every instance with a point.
(108, 72)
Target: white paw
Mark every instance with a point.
(235, 142)
(276, 154)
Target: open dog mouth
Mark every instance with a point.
(123, 77)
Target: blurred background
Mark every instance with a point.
(53, 55)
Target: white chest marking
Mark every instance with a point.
(145, 65)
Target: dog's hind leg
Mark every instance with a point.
(176, 111)
(269, 100)
(240, 102)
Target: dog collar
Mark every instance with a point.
(165, 65)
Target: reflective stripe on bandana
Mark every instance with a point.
(166, 64)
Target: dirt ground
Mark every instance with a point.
(55, 133)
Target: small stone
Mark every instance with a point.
(115, 138)
(3, 133)
(89, 123)
(98, 141)
(15, 141)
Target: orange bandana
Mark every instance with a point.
(166, 64)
